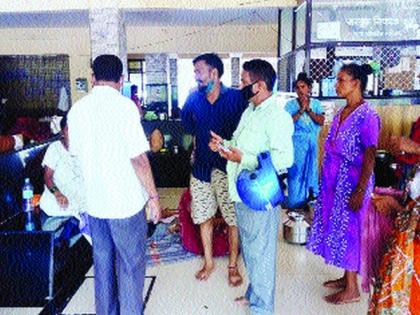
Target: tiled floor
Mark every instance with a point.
(173, 290)
(176, 292)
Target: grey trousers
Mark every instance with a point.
(119, 258)
(258, 231)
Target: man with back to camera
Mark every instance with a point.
(106, 135)
(264, 126)
(217, 108)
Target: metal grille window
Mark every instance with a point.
(340, 32)
(396, 65)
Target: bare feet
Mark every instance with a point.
(235, 278)
(241, 300)
(343, 297)
(335, 284)
(204, 273)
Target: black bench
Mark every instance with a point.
(34, 270)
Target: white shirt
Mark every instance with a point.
(105, 134)
(68, 179)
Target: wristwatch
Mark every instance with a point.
(53, 189)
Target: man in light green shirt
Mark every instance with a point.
(264, 126)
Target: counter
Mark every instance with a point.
(170, 166)
(397, 119)
(35, 271)
(397, 116)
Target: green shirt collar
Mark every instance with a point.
(265, 104)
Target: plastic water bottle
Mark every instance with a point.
(28, 206)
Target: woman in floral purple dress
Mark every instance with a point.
(346, 184)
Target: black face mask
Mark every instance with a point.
(247, 93)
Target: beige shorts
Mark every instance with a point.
(208, 197)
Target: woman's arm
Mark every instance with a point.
(358, 194)
(297, 115)
(317, 118)
(403, 145)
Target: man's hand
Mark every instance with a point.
(401, 145)
(233, 155)
(155, 210)
(61, 199)
(215, 141)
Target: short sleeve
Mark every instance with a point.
(370, 130)
(136, 141)
(51, 156)
(290, 107)
(317, 107)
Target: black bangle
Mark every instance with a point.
(53, 189)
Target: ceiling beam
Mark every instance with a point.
(13, 6)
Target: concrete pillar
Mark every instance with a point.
(235, 64)
(107, 32)
(173, 86)
(157, 82)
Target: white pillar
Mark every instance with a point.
(235, 64)
(157, 81)
(107, 32)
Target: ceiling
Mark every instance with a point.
(146, 17)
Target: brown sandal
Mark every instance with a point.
(235, 278)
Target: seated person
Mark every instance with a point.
(397, 282)
(406, 158)
(190, 232)
(63, 198)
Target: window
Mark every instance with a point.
(136, 75)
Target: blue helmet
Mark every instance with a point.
(260, 189)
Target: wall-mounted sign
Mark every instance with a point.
(319, 53)
(369, 21)
(328, 31)
(81, 85)
(353, 51)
